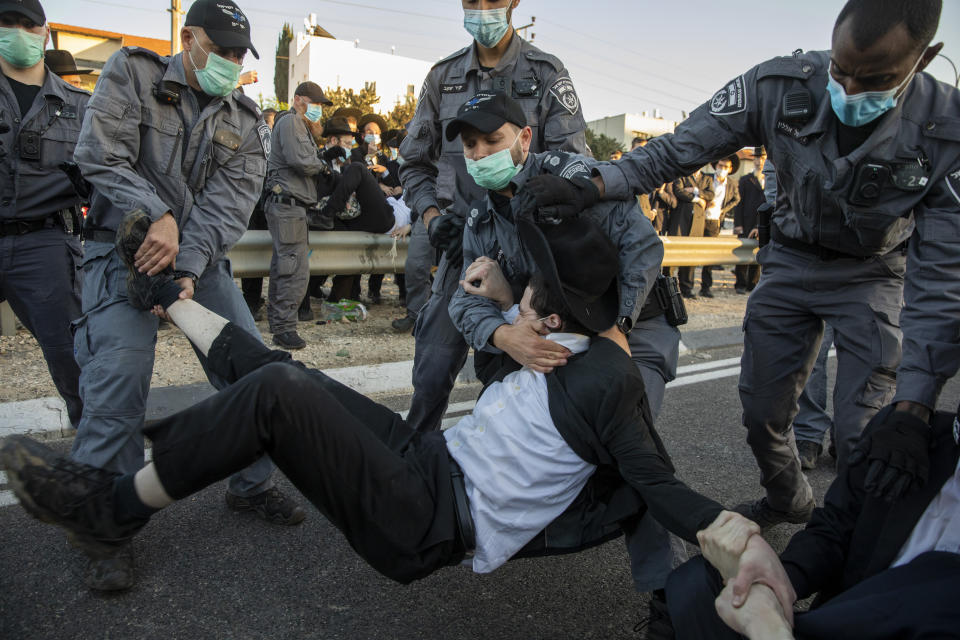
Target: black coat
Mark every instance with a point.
(751, 197)
(855, 536)
(598, 404)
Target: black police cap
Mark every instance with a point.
(29, 8)
(313, 91)
(223, 23)
(486, 112)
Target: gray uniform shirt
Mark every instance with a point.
(487, 233)
(294, 162)
(37, 188)
(919, 143)
(434, 173)
(205, 167)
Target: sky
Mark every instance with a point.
(624, 56)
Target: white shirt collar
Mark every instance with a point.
(576, 342)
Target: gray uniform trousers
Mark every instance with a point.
(861, 299)
(39, 278)
(289, 266)
(115, 345)
(813, 422)
(420, 257)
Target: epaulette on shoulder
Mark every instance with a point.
(799, 65)
(140, 51)
(542, 56)
(247, 103)
(452, 56)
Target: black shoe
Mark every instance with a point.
(141, 289)
(740, 290)
(809, 452)
(271, 505)
(304, 314)
(375, 298)
(73, 495)
(689, 295)
(110, 569)
(706, 293)
(319, 220)
(404, 325)
(656, 623)
(766, 516)
(289, 340)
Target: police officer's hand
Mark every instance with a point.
(446, 233)
(556, 198)
(523, 342)
(897, 451)
(159, 247)
(485, 279)
(335, 153)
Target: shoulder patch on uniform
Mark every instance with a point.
(263, 131)
(562, 89)
(953, 184)
(452, 56)
(731, 99)
(542, 56)
(576, 169)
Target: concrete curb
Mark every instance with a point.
(47, 417)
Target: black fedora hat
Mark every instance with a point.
(734, 163)
(372, 117)
(577, 259)
(336, 127)
(61, 62)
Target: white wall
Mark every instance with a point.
(626, 126)
(332, 63)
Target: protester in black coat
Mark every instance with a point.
(745, 218)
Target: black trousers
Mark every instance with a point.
(385, 486)
(913, 601)
(253, 287)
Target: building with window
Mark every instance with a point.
(92, 47)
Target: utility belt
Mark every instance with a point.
(461, 506)
(66, 219)
(665, 299)
(823, 253)
(290, 201)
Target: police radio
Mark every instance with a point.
(167, 93)
(797, 106)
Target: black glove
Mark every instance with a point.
(557, 198)
(898, 452)
(335, 153)
(446, 233)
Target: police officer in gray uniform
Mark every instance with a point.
(40, 118)
(868, 195)
(171, 137)
(435, 178)
(294, 166)
(491, 244)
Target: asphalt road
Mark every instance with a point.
(205, 572)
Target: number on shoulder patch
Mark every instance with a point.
(566, 95)
(730, 100)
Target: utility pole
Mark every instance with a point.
(524, 29)
(175, 12)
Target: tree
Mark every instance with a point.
(281, 70)
(601, 145)
(340, 97)
(402, 113)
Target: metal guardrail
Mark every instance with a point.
(346, 252)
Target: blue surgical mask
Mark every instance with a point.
(219, 76)
(863, 108)
(487, 26)
(314, 112)
(496, 170)
(21, 48)
(371, 138)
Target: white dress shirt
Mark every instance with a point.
(519, 472)
(716, 205)
(938, 529)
